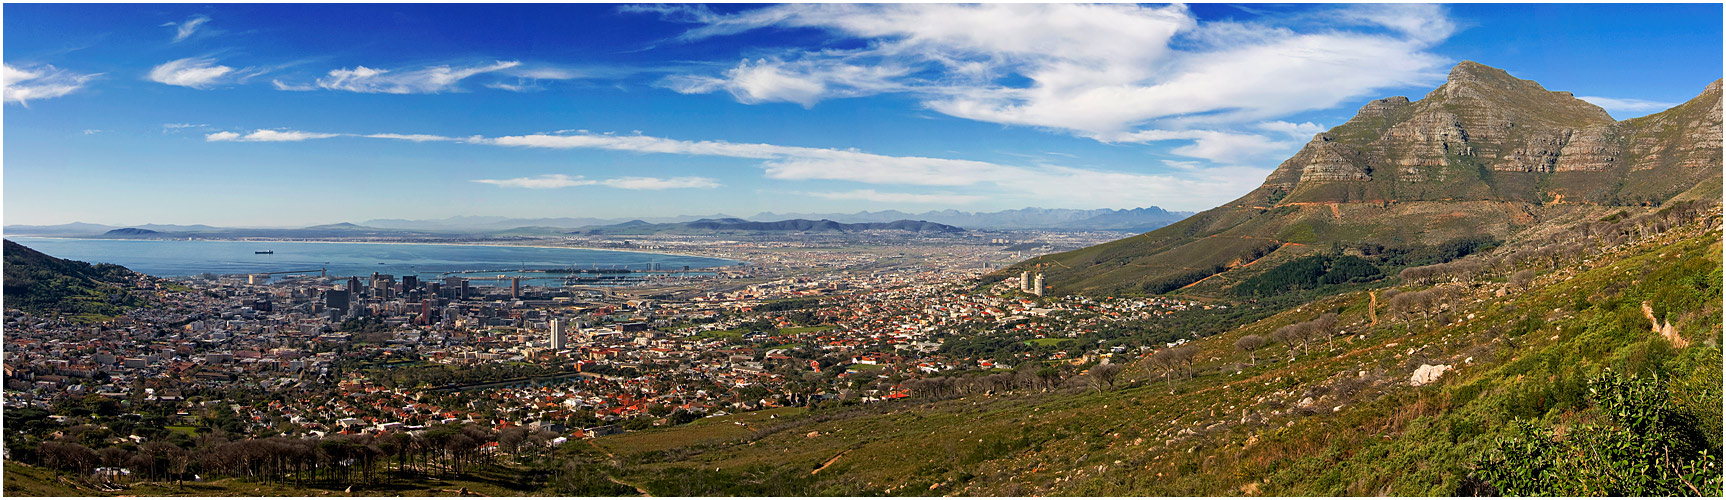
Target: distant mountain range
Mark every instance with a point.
(1131, 220)
(732, 224)
(349, 230)
(1135, 220)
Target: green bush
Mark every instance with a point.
(1648, 446)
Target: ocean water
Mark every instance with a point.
(187, 258)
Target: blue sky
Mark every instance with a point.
(285, 115)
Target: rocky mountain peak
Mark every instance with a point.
(1470, 72)
(1487, 135)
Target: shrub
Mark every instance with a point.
(1648, 447)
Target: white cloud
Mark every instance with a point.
(1217, 146)
(292, 87)
(24, 84)
(194, 72)
(1636, 107)
(92, 131)
(1098, 71)
(184, 30)
(182, 125)
(877, 196)
(267, 136)
(652, 183)
(803, 82)
(413, 137)
(550, 181)
(428, 80)
(553, 181)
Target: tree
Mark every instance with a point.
(1324, 326)
(1248, 344)
(1521, 279)
(1105, 375)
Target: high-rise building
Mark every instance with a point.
(456, 288)
(336, 299)
(1025, 281)
(410, 283)
(1037, 287)
(515, 287)
(354, 287)
(383, 285)
(558, 339)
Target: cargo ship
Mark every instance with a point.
(265, 252)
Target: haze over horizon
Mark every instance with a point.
(294, 115)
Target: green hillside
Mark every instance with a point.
(1298, 417)
(41, 284)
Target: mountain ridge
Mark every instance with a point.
(1482, 155)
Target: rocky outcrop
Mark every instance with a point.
(1427, 374)
(1592, 149)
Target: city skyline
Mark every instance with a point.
(280, 115)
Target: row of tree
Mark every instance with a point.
(439, 449)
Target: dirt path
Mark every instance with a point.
(829, 462)
(1267, 254)
(608, 476)
(1372, 308)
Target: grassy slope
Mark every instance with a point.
(1227, 433)
(27, 480)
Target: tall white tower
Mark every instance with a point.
(1025, 282)
(1037, 288)
(558, 339)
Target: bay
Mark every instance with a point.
(171, 258)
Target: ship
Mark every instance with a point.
(264, 252)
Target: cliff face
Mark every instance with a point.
(1486, 135)
(1485, 154)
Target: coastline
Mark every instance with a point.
(471, 244)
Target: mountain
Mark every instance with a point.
(731, 224)
(42, 284)
(1136, 220)
(72, 229)
(492, 223)
(1477, 159)
(130, 231)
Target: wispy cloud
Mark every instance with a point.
(428, 80)
(553, 181)
(24, 84)
(412, 137)
(877, 196)
(92, 131)
(267, 136)
(653, 183)
(1099, 188)
(184, 30)
(1628, 106)
(198, 73)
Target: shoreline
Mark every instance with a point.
(473, 244)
